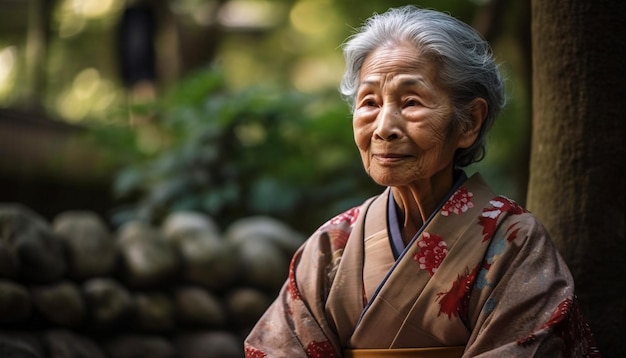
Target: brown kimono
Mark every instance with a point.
(482, 274)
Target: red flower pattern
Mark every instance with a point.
(569, 323)
(292, 286)
(251, 352)
(432, 251)
(455, 302)
(338, 239)
(459, 202)
(511, 232)
(489, 217)
(339, 227)
(348, 217)
(320, 350)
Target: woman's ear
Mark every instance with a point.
(478, 114)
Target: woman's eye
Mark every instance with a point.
(369, 102)
(412, 103)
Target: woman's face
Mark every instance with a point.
(402, 118)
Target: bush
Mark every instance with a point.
(234, 154)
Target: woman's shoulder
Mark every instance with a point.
(347, 219)
(513, 222)
(342, 221)
(336, 231)
(522, 230)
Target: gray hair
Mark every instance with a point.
(466, 64)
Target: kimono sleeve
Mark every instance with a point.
(294, 324)
(524, 300)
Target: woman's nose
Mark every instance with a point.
(388, 127)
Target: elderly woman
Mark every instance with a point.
(437, 265)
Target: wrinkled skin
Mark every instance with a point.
(402, 128)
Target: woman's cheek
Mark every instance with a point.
(361, 138)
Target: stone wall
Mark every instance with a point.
(74, 288)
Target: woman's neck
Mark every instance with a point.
(417, 202)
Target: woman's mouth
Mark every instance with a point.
(389, 158)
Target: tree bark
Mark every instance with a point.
(578, 153)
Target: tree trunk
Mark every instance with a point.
(578, 153)
(36, 47)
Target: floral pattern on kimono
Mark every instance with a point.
(482, 273)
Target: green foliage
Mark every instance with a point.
(256, 151)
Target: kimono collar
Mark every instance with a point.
(393, 222)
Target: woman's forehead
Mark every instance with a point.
(404, 61)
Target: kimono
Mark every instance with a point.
(482, 275)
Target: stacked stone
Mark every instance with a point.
(74, 288)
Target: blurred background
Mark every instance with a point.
(135, 109)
